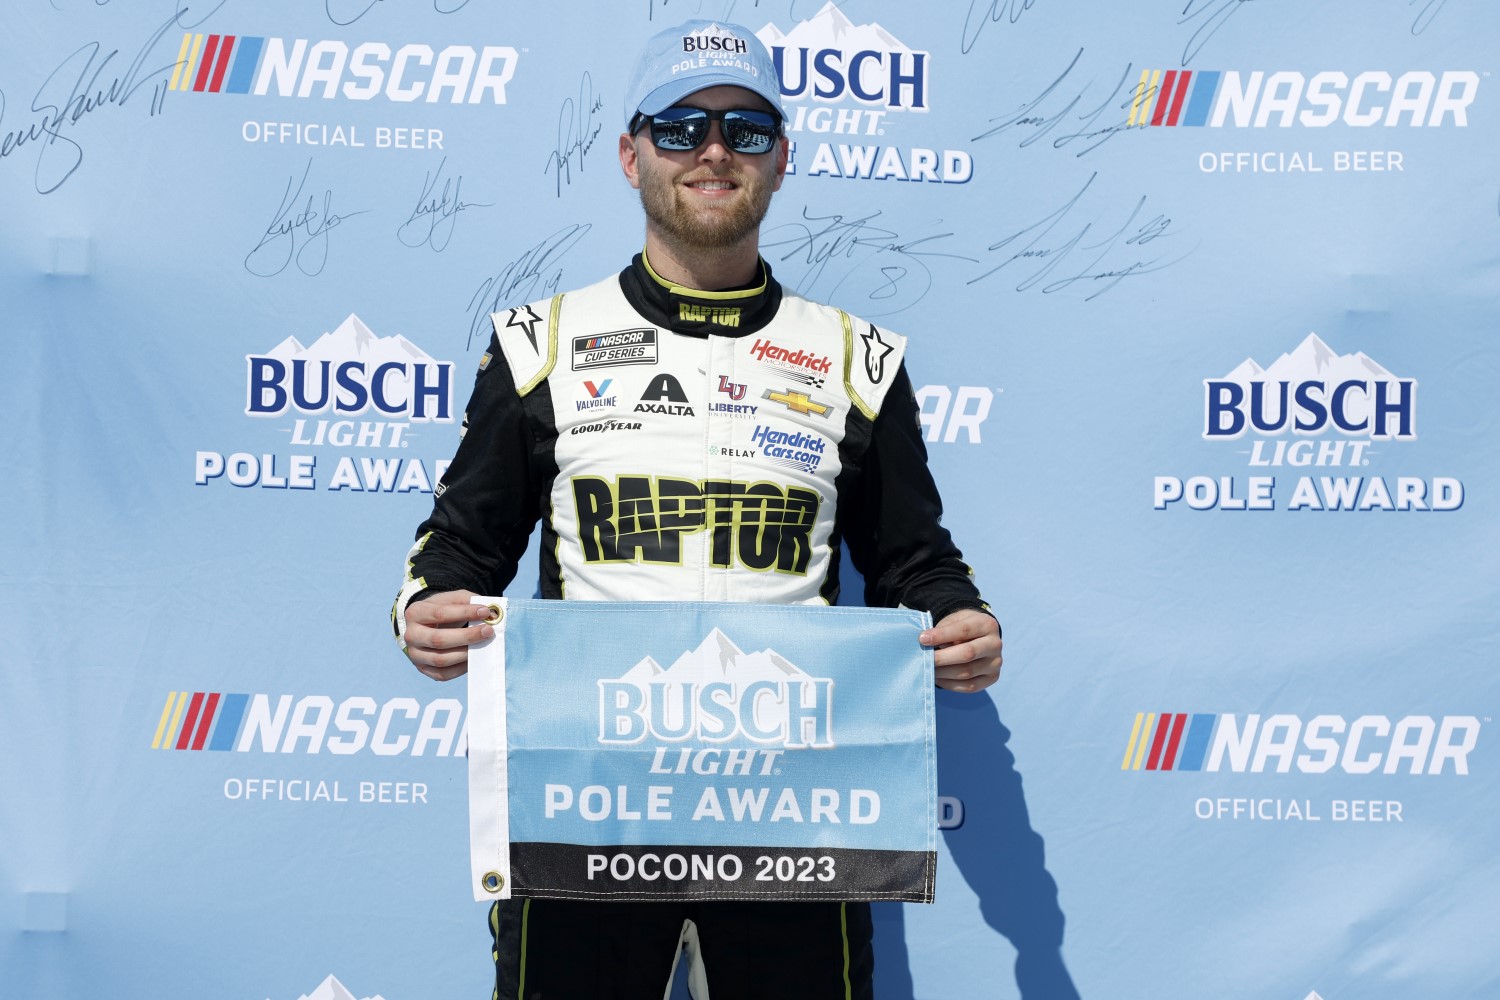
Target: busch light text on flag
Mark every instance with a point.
(702, 751)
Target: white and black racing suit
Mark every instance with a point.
(686, 445)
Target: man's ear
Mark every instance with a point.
(630, 162)
(783, 156)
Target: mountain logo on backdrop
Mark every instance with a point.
(1310, 408)
(350, 390)
(848, 79)
(332, 989)
(718, 693)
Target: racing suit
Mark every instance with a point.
(686, 445)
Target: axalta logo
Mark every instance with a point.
(330, 69)
(1311, 407)
(1258, 99)
(311, 724)
(349, 372)
(946, 412)
(1412, 744)
(830, 59)
(718, 693)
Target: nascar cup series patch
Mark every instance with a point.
(650, 751)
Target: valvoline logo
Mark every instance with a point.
(330, 68)
(1216, 98)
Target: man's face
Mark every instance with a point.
(709, 197)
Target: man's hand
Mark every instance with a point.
(967, 650)
(438, 635)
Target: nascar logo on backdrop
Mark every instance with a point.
(350, 389)
(847, 79)
(411, 74)
(1197, 743)
(1311, 408)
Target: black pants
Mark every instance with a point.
(565, 950)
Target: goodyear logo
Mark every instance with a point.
(212, 720)
(1258, 99)
(328, 69)
(1413, 744)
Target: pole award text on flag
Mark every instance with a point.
(648, 751)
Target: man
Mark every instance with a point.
(688, 430)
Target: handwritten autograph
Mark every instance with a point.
(576, 132)
(76, 89)
(345, 12)
(1089, 127)
(999, 10)
(1213, 14)
(1061, 251)
(859, 258)
(535, 273)
(296, 234)
(432, 221)
(1430, 10)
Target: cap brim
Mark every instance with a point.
(669, 94)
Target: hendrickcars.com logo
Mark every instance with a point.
(311, 724)
(1256, 744)
(331, 69)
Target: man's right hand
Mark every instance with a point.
(438, 633)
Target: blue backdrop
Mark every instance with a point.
(1202, 298)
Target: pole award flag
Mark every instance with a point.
(650, 751)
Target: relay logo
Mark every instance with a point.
(830, 59)
(1412, 744)
(212, 720)
(1258, 99)
(330, 69)
(348, 372)
(718, 693)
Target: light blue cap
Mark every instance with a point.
(698, 54)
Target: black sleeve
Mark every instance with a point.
(892, 518)
(488, 504)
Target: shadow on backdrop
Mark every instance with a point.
(998, 853)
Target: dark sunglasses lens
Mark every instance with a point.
(673, 129)
(749, 131)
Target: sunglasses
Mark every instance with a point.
(682, 128)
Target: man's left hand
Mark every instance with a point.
(967, 647)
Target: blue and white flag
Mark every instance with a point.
(646, 751)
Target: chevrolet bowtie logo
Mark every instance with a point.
(800, 402)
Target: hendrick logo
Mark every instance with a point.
(718, 693)
(795, 450)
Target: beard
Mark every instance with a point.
(710, 227)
